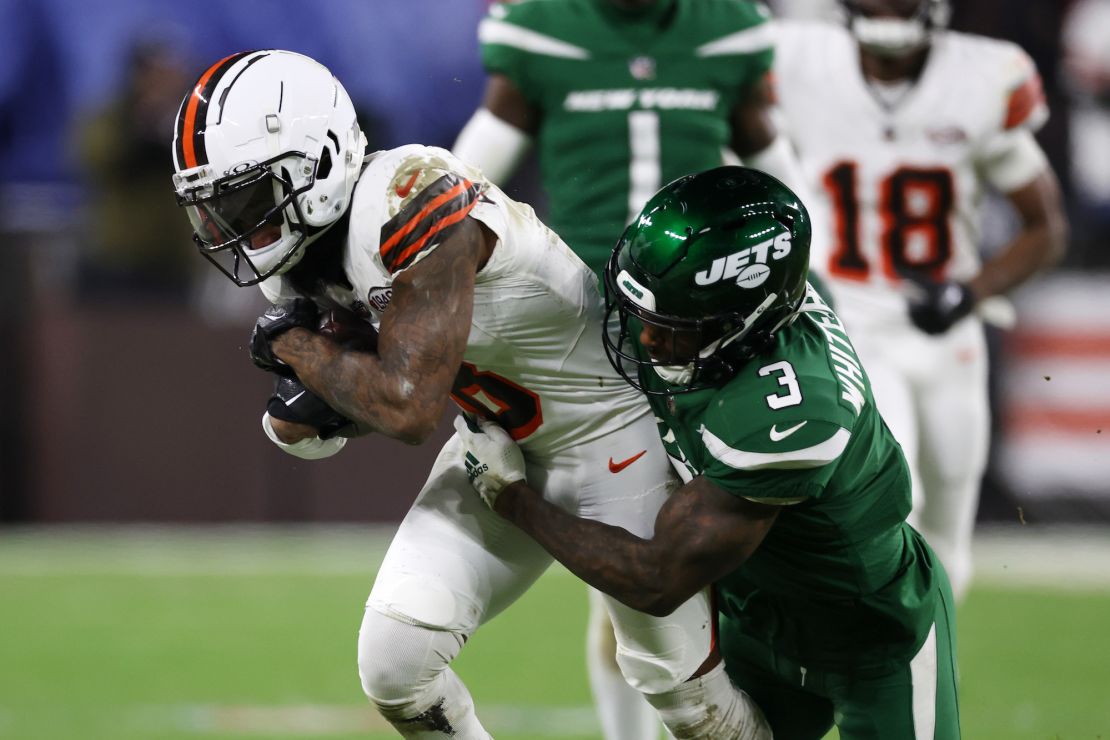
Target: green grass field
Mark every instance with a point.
(172, 634)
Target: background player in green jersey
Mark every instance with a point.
(833, 609)
(620, 97)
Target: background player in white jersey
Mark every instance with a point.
(901, 127)
(620, 97)
(474, 298)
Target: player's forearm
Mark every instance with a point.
(1037, 247)
(402, 389)
(610, 559)
(371, 391)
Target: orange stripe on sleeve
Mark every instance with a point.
(1024, 100)
(419, 216)
(439, 226)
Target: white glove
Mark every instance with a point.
(492, 458)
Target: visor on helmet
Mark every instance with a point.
(247, 212)
(248, 223)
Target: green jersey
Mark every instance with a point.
(628, 102)
(840, 577)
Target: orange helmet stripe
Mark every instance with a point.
(194, 109)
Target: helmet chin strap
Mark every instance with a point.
(675, 374)
(683, 374)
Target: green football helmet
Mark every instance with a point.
(714, 265)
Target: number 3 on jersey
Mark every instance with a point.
(914, 205)
(787, 378)
(492, 396)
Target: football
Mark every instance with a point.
(348, 329)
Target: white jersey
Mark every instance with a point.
(898, 175)
(534, 358)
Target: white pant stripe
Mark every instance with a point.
(923, 675)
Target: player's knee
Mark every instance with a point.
(653, 674)
(396, 661)
(657, 655)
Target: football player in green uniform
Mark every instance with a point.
(620, 97)
(833, 610)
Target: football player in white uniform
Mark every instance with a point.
(474, 299)
(901, 127)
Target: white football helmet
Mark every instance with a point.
(896, 36)
(267, 150)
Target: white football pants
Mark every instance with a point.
(624, 713)
(454, 564)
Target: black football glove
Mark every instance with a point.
(294, 403)
(935, 306)
(278, 319)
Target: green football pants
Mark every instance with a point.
(917, 701)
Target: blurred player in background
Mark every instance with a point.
(901, 126)
(833, 609)
(621, 97)
(475, 300)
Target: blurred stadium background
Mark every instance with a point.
(166, 573)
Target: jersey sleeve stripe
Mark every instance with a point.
(809, 457)
(748, 41)
(407, 257)
(401, 226)
(445, 202)
(1024, 101)
(493, 31)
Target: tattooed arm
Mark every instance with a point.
(403, 389)
(701, 534)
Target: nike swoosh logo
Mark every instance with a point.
(293, 400)
(616, 467)
(777, 436)
(403, 190)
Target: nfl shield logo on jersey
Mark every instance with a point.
(642, 68)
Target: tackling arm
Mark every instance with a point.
(402, 390)
(701, 533)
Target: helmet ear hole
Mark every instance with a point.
(323, 168)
